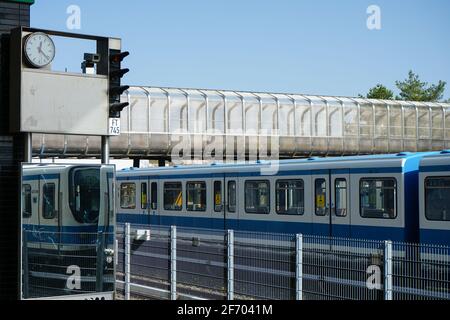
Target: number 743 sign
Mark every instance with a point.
(114, 127)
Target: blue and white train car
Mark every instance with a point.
(434, 190)
(63, 206)
(371, 197)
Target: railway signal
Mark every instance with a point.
(115, 88)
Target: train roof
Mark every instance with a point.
(50, 168)
(399, 159)
(436, 159)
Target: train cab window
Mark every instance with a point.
(218, 205)
(196, 196)
(257, 197)
(321, 197)
(378, 198)
(290, 197)
(128, 196)
(48, 203)
(437, 198)
(144, 198)
(84, 194)
(173, 196)
(231, 196)
(154, 196)
(26, 201)
(340, 186)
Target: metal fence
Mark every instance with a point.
(184, 263)
(61, 264)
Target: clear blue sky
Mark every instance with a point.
(316, 47)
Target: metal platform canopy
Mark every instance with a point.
(306, 125)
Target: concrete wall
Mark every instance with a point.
(12, 15)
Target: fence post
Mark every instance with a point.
(25, 267)
(388, 270)
(299, 267)
(116, 252)
(173, 263)
(127, 257)
(230, 265)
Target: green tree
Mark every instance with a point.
(412, 89)
(380, 92)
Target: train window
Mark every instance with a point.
(321, 197)
(340, 186)
(154, 196)
(218, 196)
(144, 199)
(231, 196)
(378, 198)
(290, 197)
(257, 197)
(437, 198)
(128, 196)
(173, 196)
(48, 203)
(84, 194)
(196, 196)
(26, 201)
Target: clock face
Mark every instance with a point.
(39, 49)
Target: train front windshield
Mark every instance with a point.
(84, 194)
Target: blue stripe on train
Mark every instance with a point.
(357, 232)
(73, 229)
(258, 173)
(438, 168)
(41, 177)
(80, 235)
(440, 237)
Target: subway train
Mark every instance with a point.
(67, 222)
(401, 197)
(63, 206)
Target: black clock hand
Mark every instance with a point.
(47, 57)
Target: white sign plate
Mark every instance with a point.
(114, 127)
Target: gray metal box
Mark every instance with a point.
(45, 101)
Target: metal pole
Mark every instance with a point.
(100, 261)
(25, 294)
(28, 147)
(105, 150)
(116, 252)
(388, 270)
(299, 267)
(230, 265)
(127, 263)
(173, 263)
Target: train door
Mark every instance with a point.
(106, 219)
(30, 211)
(321, 204)
(340, 204)
(49, 212)
(224, 203)
(232, 203)
(143, 205)
(155, 218)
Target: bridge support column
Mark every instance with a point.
(136, 163)
(105, 150)
(28, 152)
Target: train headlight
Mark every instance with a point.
(109, 254)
